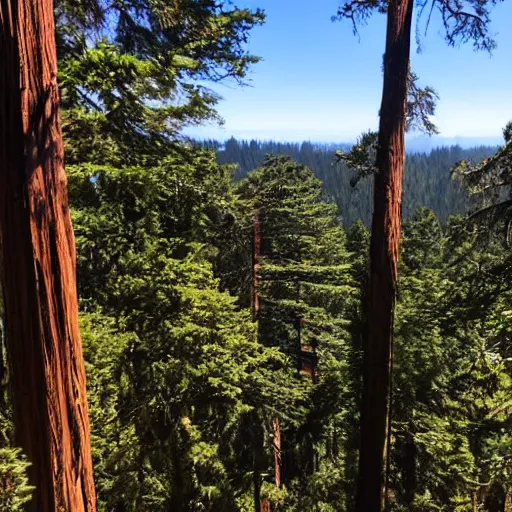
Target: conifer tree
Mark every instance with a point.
(186, 374)
(462, 21)
(306, 300)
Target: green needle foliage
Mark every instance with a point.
(308, 299)
(131, 73)
(450, 439)
(15, 490)
(184, 384)
(186, 368)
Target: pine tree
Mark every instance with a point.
(130, 91)
(186, 373)
(448, 447)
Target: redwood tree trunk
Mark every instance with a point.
(38, 256)
(375, 408)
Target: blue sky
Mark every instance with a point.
(319, 82)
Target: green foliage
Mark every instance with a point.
(135, 83)
(451, 373)
(421, 106)
(186, 370)
(489, 182)
(15, 490)
(427, 180)
(307, 299)
(361, 157)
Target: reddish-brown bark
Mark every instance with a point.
(265, 505)
(38, 252)
(384, 248)
(276, 427)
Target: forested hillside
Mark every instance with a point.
(427, 180)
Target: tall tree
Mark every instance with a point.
(489, 182)
(384, 247)
(462, 21)
(175, 398)
(141, 77)
(38, 254)
(306, 301)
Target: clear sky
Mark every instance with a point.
(319, 82)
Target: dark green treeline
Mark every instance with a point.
(427, 179)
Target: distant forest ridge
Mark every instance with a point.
(427, 180)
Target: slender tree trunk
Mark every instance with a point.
(277, 451)
(257, 457)
(384, 261)
(475, 500)
(259, 504)
(38, 256)
(262, 504)
(257, 489)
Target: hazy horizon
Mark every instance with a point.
(414, 143)
(317, 81)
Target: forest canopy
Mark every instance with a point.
(222, 288)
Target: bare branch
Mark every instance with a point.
(466, 21)
(359, 11)
(463, 20)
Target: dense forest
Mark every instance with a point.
(427, 180)
(223, 310)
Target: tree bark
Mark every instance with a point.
(384, 248)
(38, 256)
(508, 501)
(277, 451)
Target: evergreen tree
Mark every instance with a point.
(449, 447)
(307, 300)
(187, 369)
(388, 165)
(131, 89)
(489, 182)
(427, 180)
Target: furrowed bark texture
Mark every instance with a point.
(38, 253)
(384, 247)
(277, 451)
